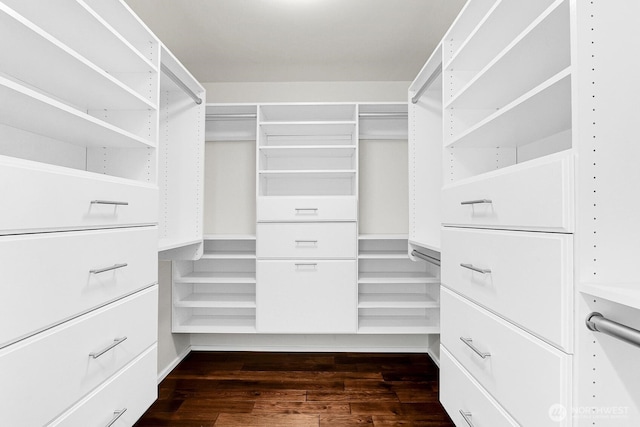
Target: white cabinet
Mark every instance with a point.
(539, 231)
(78, 165)
(306, 240)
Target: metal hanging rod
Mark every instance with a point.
(598, 323)
(384, 115)
(180, 84)
(426, 84)
(426, 257)
(226, 116)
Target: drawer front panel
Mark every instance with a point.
(47, 200)
(133, 389)
(538, 196)
(526, 376)
(307, 241)
(520, 272)
(54, 369)
(460, 393)
(306, 209)
(52, 271)
(306, 297)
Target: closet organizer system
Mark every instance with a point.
(533, 108)
(306, 179)
(87, 133)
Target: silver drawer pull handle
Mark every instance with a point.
(309, 265)
(479, 270)
(113, 267)
(116, 416)
(109, 202)
(116, 342)
(467, 417)
(312, 242)
(476, 202)
(469, 342)
(314, 210)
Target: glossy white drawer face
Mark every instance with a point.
(515, 274)
(526, 376)
(54, 369)
(307, 209)
(133, 390)
(306, 297)
(533, 196)
(45, 200)
(463, 397)
(52, 273)
(307, 240)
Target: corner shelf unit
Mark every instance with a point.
(395, 294)
(217, 293)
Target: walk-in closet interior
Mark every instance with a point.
(456, 180)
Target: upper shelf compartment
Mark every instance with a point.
(308, 113)
(231, 122)
(383, 121)
(307, 133)
(44, 63)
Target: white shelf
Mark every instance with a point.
(217, 300)
(211, 277)
(325, 173)
(300, 112)
(168, 244)
(549, 103)
(229, 237)
(627, 294)
(75, 24)
(229, 255)
(308, 128)
(396, 325)
(382, 237)
(382, 254)
(398, 300)
(538, 53)
(504, 21)
(217, 324)
(396, 277)
(82, 83)
(29, 110)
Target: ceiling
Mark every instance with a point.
(299, 40)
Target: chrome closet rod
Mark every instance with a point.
(180, 84)
(426, 84)
(598, 323)
(426, 257)
(385, 115)
(231, 116)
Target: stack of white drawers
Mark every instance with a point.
(79, 308)
(507, 298)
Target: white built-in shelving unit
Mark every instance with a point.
(537, 148)
(79, 117)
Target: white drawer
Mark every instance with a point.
(42, 198)
(51, 273)
(133, 390)
(307, 240)
(525, 375)
(307, 208)
(460, 393)
(537, 195)
(528, 271)
(46, 374)
(306, 297)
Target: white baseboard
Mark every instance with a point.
(171, 366)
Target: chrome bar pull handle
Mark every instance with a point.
(300, 210)
(308, 242)
(109, 202)
(467, 417)
(116, 342)
(116, 416)
(478, 269)
(476, 202)
(469, 342)
(308, 265)
(105, 269)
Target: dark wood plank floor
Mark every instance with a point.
(299, 390)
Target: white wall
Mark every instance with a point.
(257, 92)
